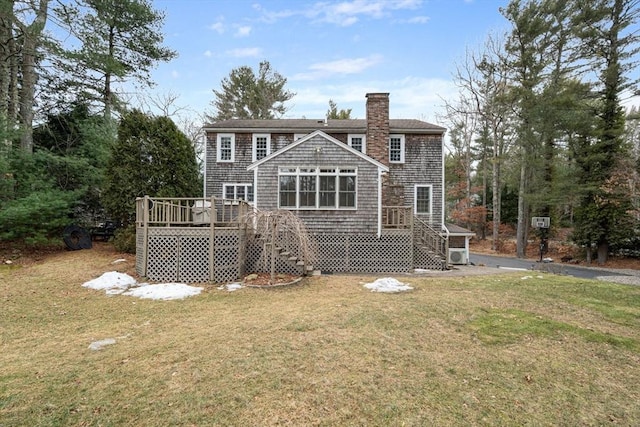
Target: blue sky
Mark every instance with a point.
(337, 50)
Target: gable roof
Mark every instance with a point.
(331, 125)
(328, 138)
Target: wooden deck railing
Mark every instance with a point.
(189, 211)
(396, 217)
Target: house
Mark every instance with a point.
(370, 191)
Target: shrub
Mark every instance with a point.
(125, 239)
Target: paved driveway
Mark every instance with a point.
(626, 276)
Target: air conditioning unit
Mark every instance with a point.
(457, 256)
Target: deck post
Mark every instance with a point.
(145, 234)
(212, 220)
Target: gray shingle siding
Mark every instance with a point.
(363, 219)
(423, 165)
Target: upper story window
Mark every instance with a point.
(261, 145)
(226, 147)
(317, 188)
(396, 148)
(422, 199)
(358, 142)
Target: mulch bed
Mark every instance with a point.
(263, 280)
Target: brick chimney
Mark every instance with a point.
(378, 127)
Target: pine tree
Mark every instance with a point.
(243, 95)
(603, 215)
(119, 40)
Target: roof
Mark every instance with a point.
(329, 139)
(331, 125)
(456, 230)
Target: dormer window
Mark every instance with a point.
(261, 145)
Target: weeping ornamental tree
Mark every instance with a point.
(151, 157)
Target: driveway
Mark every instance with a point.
(625, 276)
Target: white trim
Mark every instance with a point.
(443, 201)
(297, 136)
(235, 186)
(415, 199)
(255, 188)
(380, 173)
(254, 141)
(358, 135)
(204, 174)
(219, 150)
(317, 173)
(402, 150)
(329, 138)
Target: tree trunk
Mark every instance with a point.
(31, 41)
(603, 252)
(521, 232)
(495, 186)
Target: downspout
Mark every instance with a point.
(204, 175)
(442, 190)
(255, 188)
(379, 202)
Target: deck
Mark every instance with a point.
(210, 240)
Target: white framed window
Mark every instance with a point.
(226, 147)
(317, 188)
(261, 146)
(396, 148)
(422, 196)
(232, 192)
(358, 142)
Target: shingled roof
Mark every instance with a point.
(331, 125)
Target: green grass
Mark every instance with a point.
(486, 350)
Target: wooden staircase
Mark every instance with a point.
(431, 246)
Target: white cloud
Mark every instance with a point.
(409, 98)
(245, 52)
(418, 20)
(340, 67)
(217, 27)
(175, 74)
(243, 31)
(344, 13)
(208, 53)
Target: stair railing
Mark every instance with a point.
(425, 234)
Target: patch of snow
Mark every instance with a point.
(231, 287)
(111, 280)
(164, 291)
(387, 284)
(526, 277)
(114, 283)
(98, 345)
